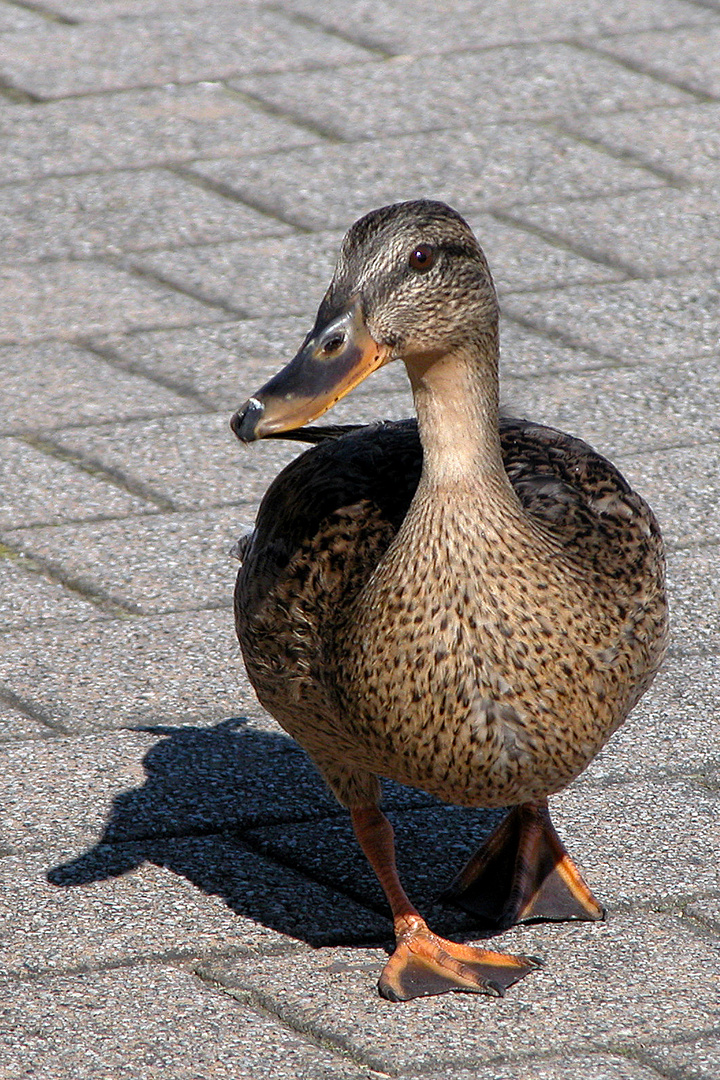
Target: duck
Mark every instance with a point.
(463, 602)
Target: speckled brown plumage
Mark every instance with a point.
(488, 669)
(466, 604)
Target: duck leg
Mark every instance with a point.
(423, 963)
(523, 872)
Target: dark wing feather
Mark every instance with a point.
(577, 495)
(377, 465)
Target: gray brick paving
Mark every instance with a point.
(77, 1026)
(239, 275)
(694, 586)
(494, 165)
(457, 25)
(183, 668)
(216, 354)
(698, 1059)
(676, 720)
(707, 911)
(81, 216)
(180, 896)
(165, 125)
(591, 1066)
(22, 590)
(248, 276)
(104, 10)
(681, 488)
(664, 318)
(651, 234)
(63, 299)
(14, 725)
(604, 985)
(79, 388)
(171, 561)
(620, 406)
(662, 138)
(48, 490)
(687, 56)
(18, 18)
(188, 460)
(204, 45)
(540, 81)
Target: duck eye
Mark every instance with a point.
(333, 344)
(422, 257)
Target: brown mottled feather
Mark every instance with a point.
(512, 716)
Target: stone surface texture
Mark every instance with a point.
(181, 899)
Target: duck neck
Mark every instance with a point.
(456, 399)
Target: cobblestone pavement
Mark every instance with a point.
(180, 897)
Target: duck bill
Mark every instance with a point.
(333, 359)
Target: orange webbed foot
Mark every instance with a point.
(425, 964)
(523, 873)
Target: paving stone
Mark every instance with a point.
(218, 364)
(170, 124)
(77, 217)
(177, 669)
(196, 460)
(681, 485)
(14, 725)
(169, 782)
(193, 460)
(126, 902)
(203, 45)
(642, 842)
(164, 563)
(635, 320)
(694, 592)
(153, 1022)
(698, 1060)
(649, 233)
(27, 597)
(493, 164)
(688, 56)
(433, 843)
(674, 728)
(53, 384)
(62, 299)
(99, 10)
(456, 25)
(624, 410)
(189, 896)
(277, 276)
(39, 813)
(175, 820)
(158, 783)
(684, 141)
(517, 82)
(39, 489)
(525, 352)
(707, 911)
(520, 261)
(587, 1066)
(18, 18)
(603, 984)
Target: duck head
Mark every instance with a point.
(412, 284)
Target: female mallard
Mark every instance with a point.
(473, 612)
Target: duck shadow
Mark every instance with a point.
(242, 814)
